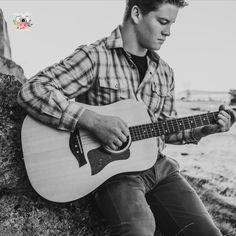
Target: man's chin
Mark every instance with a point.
(156, 48)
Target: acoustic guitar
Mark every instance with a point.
(64, 166)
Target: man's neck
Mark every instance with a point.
(130, 42)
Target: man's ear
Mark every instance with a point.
(136, 14)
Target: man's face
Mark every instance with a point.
(154, 27)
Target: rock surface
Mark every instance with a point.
(11, 117)
(5, 48)
(9, 67)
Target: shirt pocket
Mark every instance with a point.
(109, 90)
(156, 97)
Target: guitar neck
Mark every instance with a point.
(171, 126)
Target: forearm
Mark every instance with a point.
(47, 96)
(192, 136)
(87, 120)
(49, 105)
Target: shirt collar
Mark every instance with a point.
(115, 41)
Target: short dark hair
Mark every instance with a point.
(147, 6)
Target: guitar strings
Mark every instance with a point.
(171, 126)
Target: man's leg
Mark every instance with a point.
(178, 210)
(122, 201)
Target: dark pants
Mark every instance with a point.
(136, 203)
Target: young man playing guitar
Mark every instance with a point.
(119, 67)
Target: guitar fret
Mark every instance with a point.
(171, 126)
(166, 130)
(162, 127)
(207, 115)
(156, 126)
(192, 122)
(194, 118)
(188, 126)
(198, 120)
(177, 125)
(181, 124)
(213, 115)
(154, 133)
(204, 119)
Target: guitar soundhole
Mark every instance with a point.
(121, 149)
(124, 145)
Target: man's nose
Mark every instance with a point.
(166, 30)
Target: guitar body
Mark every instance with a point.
(58, 175)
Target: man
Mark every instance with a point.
(125, 66)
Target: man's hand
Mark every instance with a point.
(225, 120)
(111, 131)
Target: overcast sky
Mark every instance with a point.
(201, 49)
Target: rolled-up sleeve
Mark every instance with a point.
(48, 96)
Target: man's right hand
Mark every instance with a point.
(110, 130)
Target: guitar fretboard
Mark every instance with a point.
(171, 126)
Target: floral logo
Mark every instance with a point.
(22, 21)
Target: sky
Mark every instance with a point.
(201, 48)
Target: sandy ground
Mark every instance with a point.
(214, 158)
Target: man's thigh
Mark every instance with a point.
(178, 210)
(122, 201)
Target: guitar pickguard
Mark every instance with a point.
(99, 158)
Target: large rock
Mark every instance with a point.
(9, 67)
(5, 48)
(11, 117)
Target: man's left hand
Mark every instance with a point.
(225, 120)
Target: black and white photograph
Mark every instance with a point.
(117, 118)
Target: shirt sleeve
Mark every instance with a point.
(169, 112)
(48, 95)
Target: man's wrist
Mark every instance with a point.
(86, 120)
(199, 132)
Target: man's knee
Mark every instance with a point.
(143, 229)
(135, 228)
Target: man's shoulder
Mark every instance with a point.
(98, 46)
(106, 44)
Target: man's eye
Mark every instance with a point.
(162, 22)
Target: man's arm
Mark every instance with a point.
(111, 131)
(193, 136)
(46, 96)
(225, 121)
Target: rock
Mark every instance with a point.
(5, 48)
(28, 214)
(9, 67)
(11, 117)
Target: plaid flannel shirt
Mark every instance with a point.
(100, 74)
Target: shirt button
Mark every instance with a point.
(132, 66)
(116, 86)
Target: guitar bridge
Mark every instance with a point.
(76, 148)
